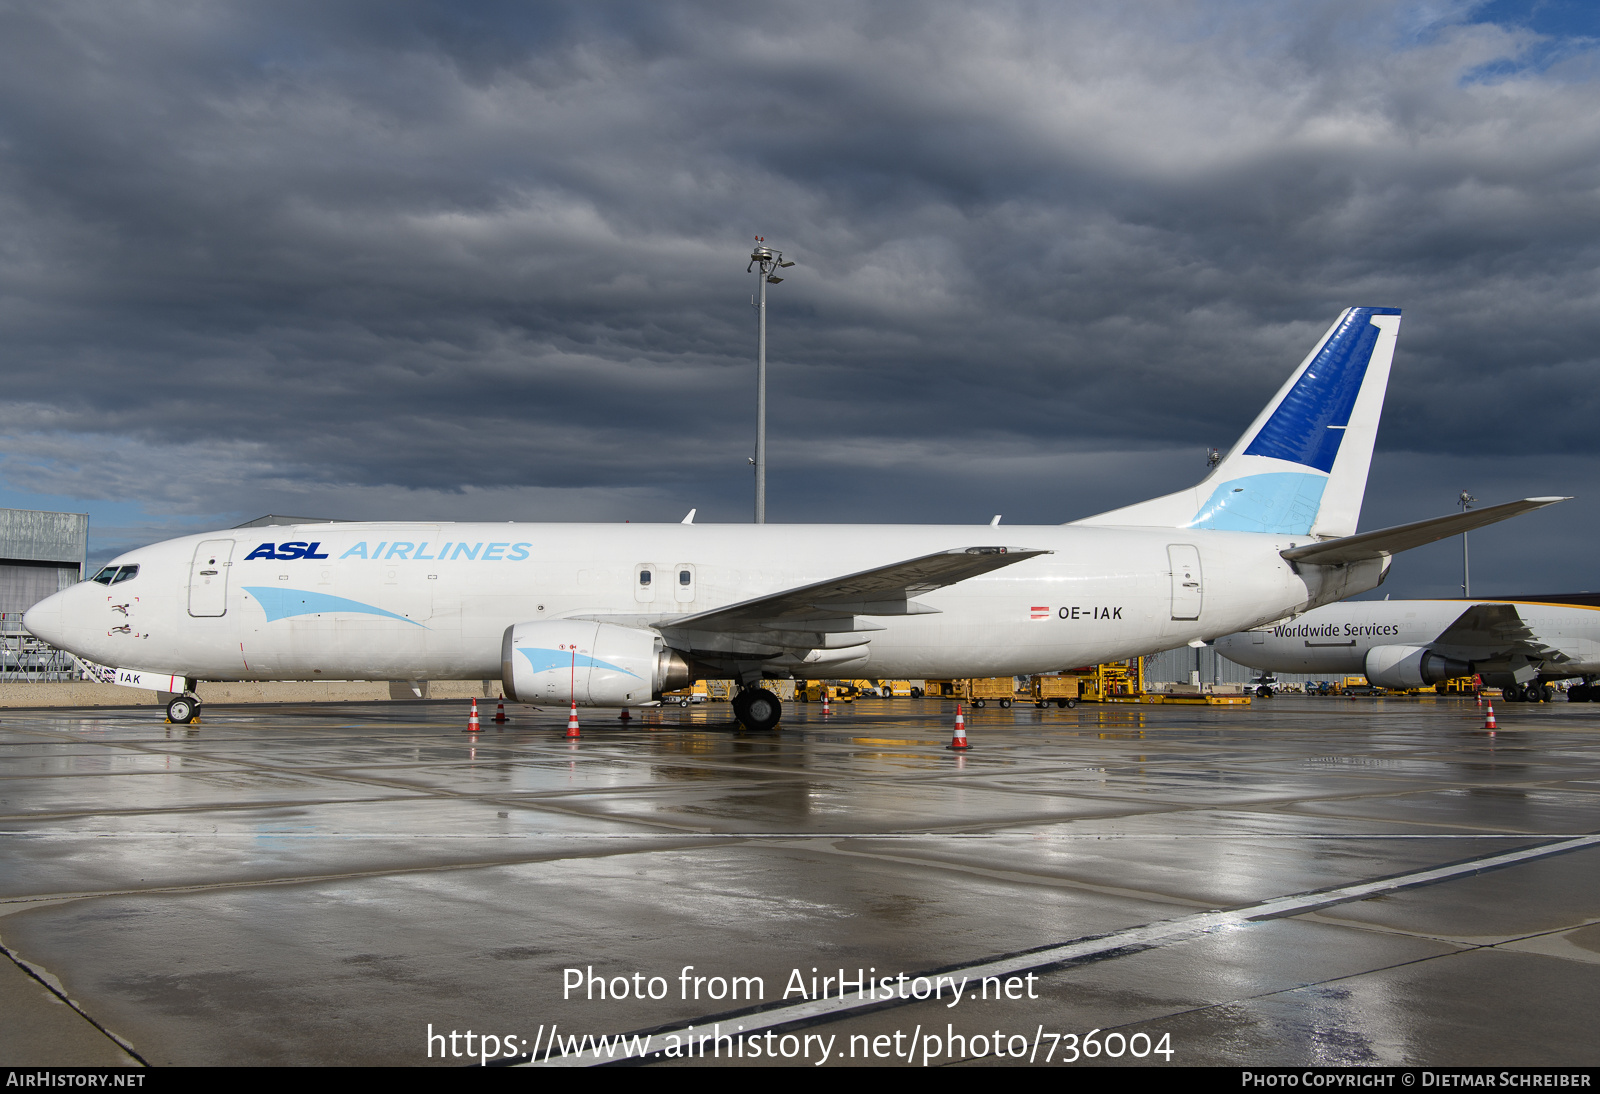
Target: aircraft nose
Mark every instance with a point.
(46, 620)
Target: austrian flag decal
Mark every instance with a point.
(1040, 613)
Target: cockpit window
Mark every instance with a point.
(112, 575)
(105, 576)
(124, 574)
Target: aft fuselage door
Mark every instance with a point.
(208, 578)
(1187, 591)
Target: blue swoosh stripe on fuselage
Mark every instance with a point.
(284, 603)
(562, 659)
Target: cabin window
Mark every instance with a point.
(644, 577)
(685, 577)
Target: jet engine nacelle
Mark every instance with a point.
(596, 664)
(1402, 667)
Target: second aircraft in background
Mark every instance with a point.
(1518, 643)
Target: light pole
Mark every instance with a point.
(764, 261)
(1465, 501)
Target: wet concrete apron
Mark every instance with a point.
(323, 884)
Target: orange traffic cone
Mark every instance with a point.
(1488, 721)
(624, 716)
(825, 700)
(958, 743)
(572, 720)
(500, 712)
(472, 722)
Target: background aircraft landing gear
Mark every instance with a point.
(183, 709)
(757, 709)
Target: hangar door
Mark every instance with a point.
(1187, 592)
(208, 578)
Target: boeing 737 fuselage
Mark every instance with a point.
(613, 615)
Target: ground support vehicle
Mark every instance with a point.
(811, 691)
(694, 693)
(1458, 685)
(978, 692)
(888, 689)
(901, 689)
(1062, 690)
(1113, 682)
(992, 689)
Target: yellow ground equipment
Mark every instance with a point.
(1459, 685)
(810, 691)
(979, 691)
(992, 689)
(1060, 689)
(1113, 682)
(883, 689)
(723, 691)
(694, 693)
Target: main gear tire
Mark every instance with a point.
(757, 709)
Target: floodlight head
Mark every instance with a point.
(786, 265)
(773, 279)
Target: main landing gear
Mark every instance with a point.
(1529, 693)
(757, 709)
(183, 709)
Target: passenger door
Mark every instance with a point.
(208, 578)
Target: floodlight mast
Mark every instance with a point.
(763, 262)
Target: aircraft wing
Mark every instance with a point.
(1493, 632)
(1403, 537)
(886, 590)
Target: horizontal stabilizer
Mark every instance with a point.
(1403, 537)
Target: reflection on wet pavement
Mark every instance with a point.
(322, 884)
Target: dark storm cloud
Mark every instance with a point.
(485, 259)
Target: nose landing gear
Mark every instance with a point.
(183, 709)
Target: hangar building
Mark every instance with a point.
(40, 554)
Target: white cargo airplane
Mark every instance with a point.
(1518, 643)
(613, 615)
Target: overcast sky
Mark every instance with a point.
(487, 260)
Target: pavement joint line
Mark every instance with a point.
(1133, 939)
(1067, 837)
(54, 986)
(1466, 943)
(10, 905)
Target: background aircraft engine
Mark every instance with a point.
(598, 664)
(1401, 667)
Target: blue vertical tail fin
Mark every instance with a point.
(1301, 467)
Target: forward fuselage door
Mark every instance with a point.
(1187, 591)
(208, 578)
